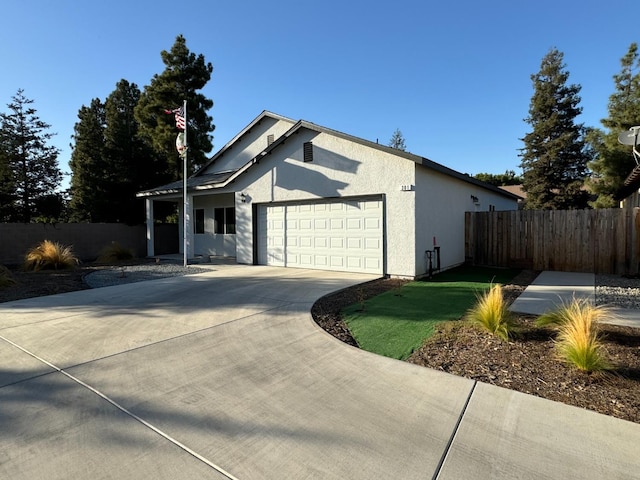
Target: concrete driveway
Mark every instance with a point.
(225, 375)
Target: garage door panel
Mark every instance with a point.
(337, 242)
(372, 244)
(337, 235)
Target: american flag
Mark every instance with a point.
(179, 113)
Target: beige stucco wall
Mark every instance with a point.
(441, 203)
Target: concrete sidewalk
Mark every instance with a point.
(551, 290)
(224, 375)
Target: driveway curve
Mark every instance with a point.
(224, 375)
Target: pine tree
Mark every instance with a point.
(397, 141)
(128, 164)
(7, 188)
(613, 161)
(184, 75)
(554, 158)
(88, 192)
(32, 162)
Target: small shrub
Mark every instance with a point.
(492, 314)
(579, 342)
(114, 252)
(50, 255)
(6, 278)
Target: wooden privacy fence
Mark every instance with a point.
(597, 241)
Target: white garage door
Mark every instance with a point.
(341, 235)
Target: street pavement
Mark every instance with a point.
(224, 375)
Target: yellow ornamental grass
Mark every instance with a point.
(492, 314)
(579, 342)
(50, 255)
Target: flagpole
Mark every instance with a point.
(184, 189)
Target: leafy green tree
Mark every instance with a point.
(613, 162)
(185, 73)
(397, 140)
(33, 164)
(554, 157)
(88, 189)
(509, 177)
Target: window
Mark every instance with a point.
(230, 220)
(492, 208)
(218, 220)
(198, 224)
(224, 220)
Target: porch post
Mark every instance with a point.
(150, 230)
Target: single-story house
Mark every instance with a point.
(295, 194)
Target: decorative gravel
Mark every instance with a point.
(618, 291)
(137, 273)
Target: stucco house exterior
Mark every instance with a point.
(295, 194)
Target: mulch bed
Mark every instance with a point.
(528, 364)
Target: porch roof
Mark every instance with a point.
(200, 182)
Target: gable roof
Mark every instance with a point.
(246, 130)
(199, 182)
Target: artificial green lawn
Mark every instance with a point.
(397, 322)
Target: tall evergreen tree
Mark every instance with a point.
(7, 188)
(25, 151)
(397, 140)
(554, 157)
(129, 159)
(613, 162)
(184, 74)
(88, 192)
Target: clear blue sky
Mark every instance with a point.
(454, 77)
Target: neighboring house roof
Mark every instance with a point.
(199, 182)
(516, 190)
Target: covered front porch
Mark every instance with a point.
(210, 224)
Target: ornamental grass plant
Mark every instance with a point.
(114, 252)
(6, 278)
(492, 314)
(579, 342)
(50, 255)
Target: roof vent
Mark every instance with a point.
(307, 149)
(270, 139)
